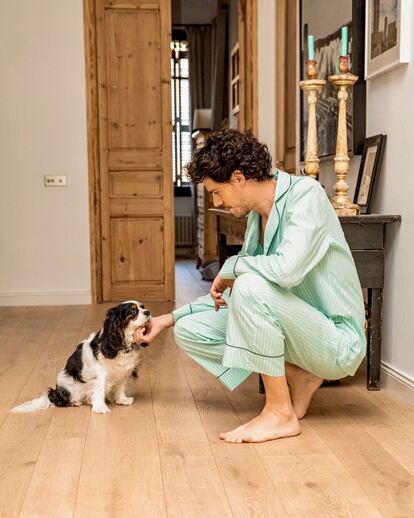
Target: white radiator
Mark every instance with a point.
(184, 230)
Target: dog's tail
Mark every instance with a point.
(58, 396)
(40, 403)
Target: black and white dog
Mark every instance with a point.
(101, 365)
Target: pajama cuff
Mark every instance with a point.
(182, 312)
(244, 359)
(232, 378)
(228, 270)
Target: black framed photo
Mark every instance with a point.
(324, 20)
(369, 171)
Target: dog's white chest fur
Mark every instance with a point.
(120, 367)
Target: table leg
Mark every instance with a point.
(374, 339)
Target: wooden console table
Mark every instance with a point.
(365, 237)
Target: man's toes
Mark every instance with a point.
(226, 435)
(232, 438)
(237, 436)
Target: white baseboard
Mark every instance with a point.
(401, 384)
(45, 298)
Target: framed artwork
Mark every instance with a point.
(368, 172)
(387, 36)
(324, 19)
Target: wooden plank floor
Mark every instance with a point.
(162, 456)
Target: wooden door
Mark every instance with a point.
(134, 119)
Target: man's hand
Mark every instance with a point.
(153, 329)
(217, 289)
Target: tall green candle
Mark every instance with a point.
(344, 41)
(311, 50)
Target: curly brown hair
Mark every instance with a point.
(227, 151)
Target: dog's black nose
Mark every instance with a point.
(146, 313)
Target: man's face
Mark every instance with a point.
(229, 195)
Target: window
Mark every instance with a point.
(180, 105)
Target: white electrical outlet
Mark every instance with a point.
(55, 180)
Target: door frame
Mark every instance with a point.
(94, 174)
(286, 84)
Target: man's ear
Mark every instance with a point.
(239, 177)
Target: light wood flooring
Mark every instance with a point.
(162, 456)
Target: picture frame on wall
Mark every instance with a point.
(387, 36)
(324, 19)
(369, 170)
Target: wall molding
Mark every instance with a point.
(401, 384)
(44, 298)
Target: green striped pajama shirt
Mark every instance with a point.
(297, 298)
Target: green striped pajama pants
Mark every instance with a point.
(262, 326)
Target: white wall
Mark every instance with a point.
(390, 110)
(44, 234)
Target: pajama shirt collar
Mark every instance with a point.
(283, 185)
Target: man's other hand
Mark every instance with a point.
(217, 289)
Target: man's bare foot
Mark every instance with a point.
(268, 425)
(302, 386)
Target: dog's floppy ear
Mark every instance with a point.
(112, 335)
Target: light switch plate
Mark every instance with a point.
(55, 180)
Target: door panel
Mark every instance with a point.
(134, 73)
(129, 184)
(137, 251)
(134, 108)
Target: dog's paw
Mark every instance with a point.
(125, 401)
(100, 409)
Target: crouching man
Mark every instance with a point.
(289, 306)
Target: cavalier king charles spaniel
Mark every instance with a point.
(101, 365)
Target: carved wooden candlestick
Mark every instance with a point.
(311, 86)
(341, 202)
